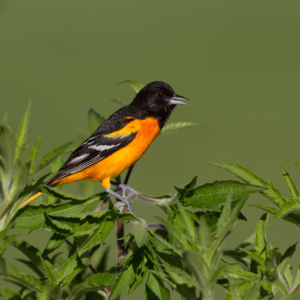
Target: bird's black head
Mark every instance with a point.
(158, 99)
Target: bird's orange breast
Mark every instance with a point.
(112, 166)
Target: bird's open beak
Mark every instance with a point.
(175, 100)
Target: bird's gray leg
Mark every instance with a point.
(121, 198)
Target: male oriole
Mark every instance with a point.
(121, 140)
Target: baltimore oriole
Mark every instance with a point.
(120, 141)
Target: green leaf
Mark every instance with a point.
(235, 271)
(51, 156)
(195, 265)
(52, 273)
(140, 233)
(139, 278)
(95, 120)
(93, 284)
(260, 235)
(7, 159)
(22, 134)
(8, 294)
(82, 222)
(3, 233)
(249, 177)
(290, 184)
(69, 270)
(6, 242)
(54, 192)
(31, 252)
(288, 207)
(175, 127)
(4, 119)
(53, 243)
(155, 289)
(43, 295)
(136, 85)
(266, 208)
(123, 282)
(254, 293)
(98, 236)
(254, 256)
(33, 155)
(32, 218)
(58, 227)
(210, 195)
(27, 280)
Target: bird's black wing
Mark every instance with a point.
(99, 145)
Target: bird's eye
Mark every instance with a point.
(160, 95)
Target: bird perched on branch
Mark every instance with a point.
(120, 141)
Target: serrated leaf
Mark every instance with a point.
(33, 155)
(188, 223)
(235, 271)
(27, 280)
(289, 252)
(58, 227)
(210, 195)
(7, 159)
(32, 218)
(43, 295)
(31, 252)
(289, 207)
(22, 134)
(93, 284)
(52, 273)
(123, 282)
(195, 265)
(54, 192)
(266, 208)
(140, 233)
(95, 120)
(83, 222)
(249, 177)
(139, 278)
(98, 236)
(155, 289)
(53, 243)
(136, 85)
(254, 256)
(223, 228)
(71, 267)
(6, 242)
(290, 184)
(175, 127)
(260, 235)
(50, 157)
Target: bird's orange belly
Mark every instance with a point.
(122, 159)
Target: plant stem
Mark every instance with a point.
(120, 233)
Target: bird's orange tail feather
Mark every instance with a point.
(31, 198)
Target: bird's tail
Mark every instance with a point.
(52, 183)
(31, 198)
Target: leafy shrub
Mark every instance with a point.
(185, 252)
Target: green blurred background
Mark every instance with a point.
(238, 61)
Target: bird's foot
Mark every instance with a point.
(121, 198)
(127, 190)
